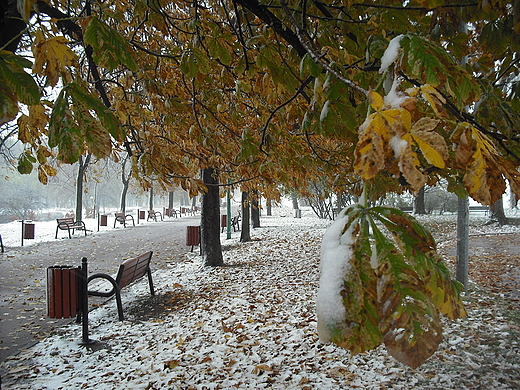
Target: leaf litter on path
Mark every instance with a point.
(252, 325)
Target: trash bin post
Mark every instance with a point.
(83, 295)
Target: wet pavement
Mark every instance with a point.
(23, 305)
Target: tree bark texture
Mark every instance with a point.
(83, 165)
(462, 241)
(210, 220)
(245, 233)
(497, 212)
(170, 200)
(150, 200)
(255, 211)
(419, 205)
(125, 179)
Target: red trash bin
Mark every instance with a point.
(62, 291)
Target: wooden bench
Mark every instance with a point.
(153, 215)
(235, 223)
(171, 213)
(479, 209)
(129, 271)
(70, 225)
(122, 218)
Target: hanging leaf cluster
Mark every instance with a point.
(382, 281)
(78, 122)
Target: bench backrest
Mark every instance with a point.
(65, 220)
(133, 269)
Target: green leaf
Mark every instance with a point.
(110, 48)
(307, 64)
(409, 321)
(202, 61)
(14, 59)
(108, 118)
(188, 64)
(431, 64)
(25, 163)
(17, 80)
(59, 118)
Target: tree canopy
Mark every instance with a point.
(370, 97)
(276, 91)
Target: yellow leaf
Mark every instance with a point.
(406, 119)
(369, 152)
(434, 98)
(42, 175)
(432, 144)
(52, 57)
(376, 100)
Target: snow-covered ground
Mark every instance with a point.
(252, 325)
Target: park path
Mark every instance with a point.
(23, 303)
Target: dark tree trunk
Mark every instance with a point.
(125, 179)
(170, 200)
(83, 165)
(462, 241)
(150, 203)
(269, 206)
(245, 233)
(497, 212)
(419, 206)
(255, 211)
(210, 220)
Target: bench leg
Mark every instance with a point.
(150, 282)
(119, 305)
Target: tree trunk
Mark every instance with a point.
(170, 200)
(255, 211)
(210, 220)
(419, 206)
(497, 212)
(150, 203)
(269, 206)
(294, 197)
(462, 241)
(125, 179)
(245, 233)
(83, 165)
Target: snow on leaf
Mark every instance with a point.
(391, 53)
(346, 304)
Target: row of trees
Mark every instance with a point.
(367, 98)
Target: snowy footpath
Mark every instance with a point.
(252, 325)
